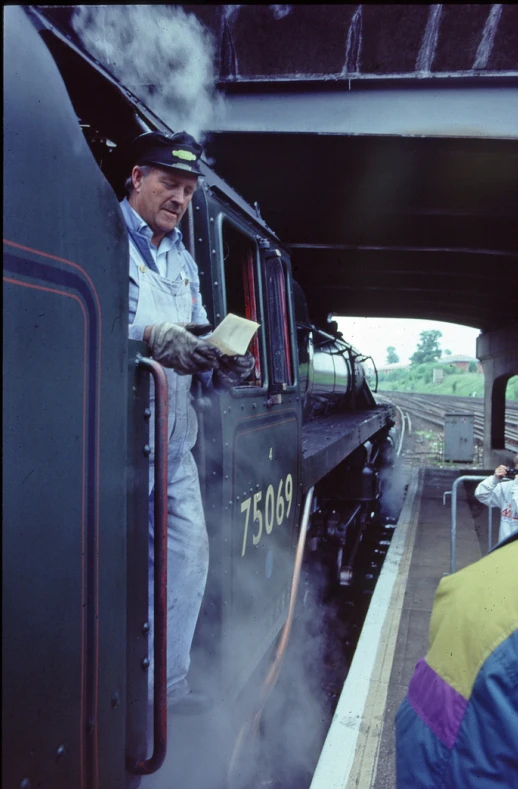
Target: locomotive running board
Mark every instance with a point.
(328, 440)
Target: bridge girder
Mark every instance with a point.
(379, 225)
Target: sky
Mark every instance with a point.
(372, 336)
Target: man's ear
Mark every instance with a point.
(136, 177)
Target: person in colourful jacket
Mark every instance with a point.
(457, 728)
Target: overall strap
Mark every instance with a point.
(142, 246)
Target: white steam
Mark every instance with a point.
(230, 11)
(280, 11)
(161, 53)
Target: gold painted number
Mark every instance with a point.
(276, 510)
(258, 516)
(268, 513)
(289, 493)
(279, 510)
(245, 506)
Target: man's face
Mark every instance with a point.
(162, 197)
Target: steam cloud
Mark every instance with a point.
(293, 724)
(161, 53)
(280, 11)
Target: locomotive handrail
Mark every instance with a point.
(250, 727)
(155, 761)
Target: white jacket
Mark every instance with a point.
(503, 494)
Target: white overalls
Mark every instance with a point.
(176, 301)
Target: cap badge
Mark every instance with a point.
(181, 166)
(190, 157)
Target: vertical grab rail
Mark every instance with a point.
(453, 534)
(155, 761)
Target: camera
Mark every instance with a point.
(511, 473)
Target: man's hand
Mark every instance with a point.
(500, 471)
(175, 347)
(233, 370)
(198, 329)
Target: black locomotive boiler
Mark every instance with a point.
(296, 451)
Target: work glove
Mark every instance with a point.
(198, 329)
(175, 347)
(233, 370)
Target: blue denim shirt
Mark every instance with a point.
(173, 262)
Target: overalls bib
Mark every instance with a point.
(159, 300)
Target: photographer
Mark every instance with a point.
(496, 491)
(457, 727)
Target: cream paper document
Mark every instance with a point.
(232, 336)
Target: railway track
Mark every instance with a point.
(432, 409)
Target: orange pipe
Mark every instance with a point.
(250, 728)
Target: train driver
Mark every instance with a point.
(164, 297)
(495, 491)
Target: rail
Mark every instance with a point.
(432, 409)
(453, 533)
(404, 417)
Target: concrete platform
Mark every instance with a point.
(359, 749)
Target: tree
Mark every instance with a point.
(447, 352)
(392, 357)
(428, 348)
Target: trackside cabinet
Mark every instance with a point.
(458, 437)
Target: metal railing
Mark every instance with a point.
(453, 534)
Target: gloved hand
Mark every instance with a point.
(175, 347)
(233, 370)
(198, 329)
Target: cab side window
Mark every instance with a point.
(278, 323)
(240, 262)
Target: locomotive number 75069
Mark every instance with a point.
(268, 510)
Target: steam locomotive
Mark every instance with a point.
(290, 459)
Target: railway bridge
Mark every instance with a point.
(379, 142)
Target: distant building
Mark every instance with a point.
(460, 361)
(387, 368)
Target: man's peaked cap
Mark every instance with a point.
(178, 151)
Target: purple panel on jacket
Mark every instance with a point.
(439, 705)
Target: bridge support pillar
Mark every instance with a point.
(498, 353)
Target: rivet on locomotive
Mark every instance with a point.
(290, 462)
